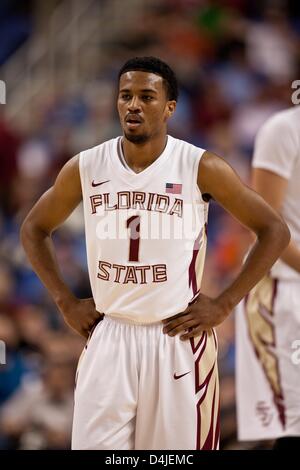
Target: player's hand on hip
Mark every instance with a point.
(204, 314)
(81, 315)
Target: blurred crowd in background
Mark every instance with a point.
(235, 61)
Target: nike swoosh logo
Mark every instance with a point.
(176, 377)
(99, 184)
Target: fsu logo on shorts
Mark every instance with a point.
(259, 316)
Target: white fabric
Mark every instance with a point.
(267, 363)
(168, 237)
(126, 395)
(277, 148)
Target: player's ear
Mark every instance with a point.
(171, 106)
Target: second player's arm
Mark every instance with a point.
(272, 188)
(51, 210)
(221, 182)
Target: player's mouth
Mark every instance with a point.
(133, 121)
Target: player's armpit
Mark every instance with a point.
(56, 204)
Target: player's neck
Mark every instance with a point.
(140, 156)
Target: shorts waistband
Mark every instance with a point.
(126, 321)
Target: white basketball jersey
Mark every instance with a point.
(277, 149)
(145, 232)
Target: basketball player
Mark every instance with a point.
(148, 376)
(268, 322)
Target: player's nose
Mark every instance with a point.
(134, 104)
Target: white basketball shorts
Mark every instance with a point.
(267, 361)
(138, 388)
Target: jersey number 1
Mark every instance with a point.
(133, 223)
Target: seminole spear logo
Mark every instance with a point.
(259, 316)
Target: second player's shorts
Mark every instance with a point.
(138, 388)
(268, 363)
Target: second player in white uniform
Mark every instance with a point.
(268, 321)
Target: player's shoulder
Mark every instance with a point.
(287, 120)
(98, 154)
(186, 148)
(99, 148)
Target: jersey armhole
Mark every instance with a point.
(81, 170)
(197, 192)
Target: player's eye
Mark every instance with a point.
(147, 97)
(125, 96)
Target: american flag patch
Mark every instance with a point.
(173, 188)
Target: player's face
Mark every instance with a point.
(143, 106)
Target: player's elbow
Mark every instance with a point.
(278, 233)
(30, 232)
(285, 233)
(25, 232)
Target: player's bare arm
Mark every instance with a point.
(51, 210)
(272, 188)
(219, 180)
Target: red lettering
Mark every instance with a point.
(95, 202)
(138, 199)
(118, 268)
(159, 272)
(143, 270)
(107, 207)
(177, 207)
(130, 275)
(102, 265)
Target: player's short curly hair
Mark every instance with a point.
(157, 66)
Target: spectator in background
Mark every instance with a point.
(39, 415)
(9, 144)
(271, 45)
(11, 373)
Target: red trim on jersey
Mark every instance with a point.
(192, 267)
